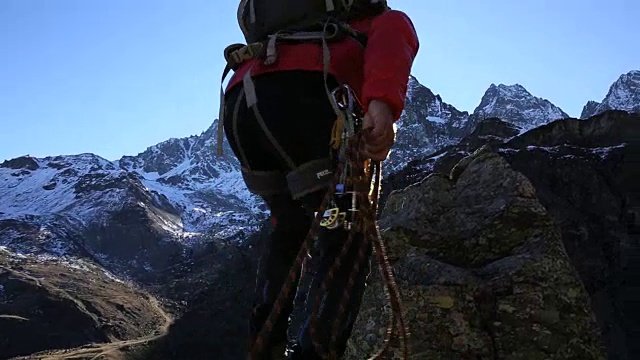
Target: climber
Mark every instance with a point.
(277, 113)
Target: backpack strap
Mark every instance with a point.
(221, 111)
(326, 63)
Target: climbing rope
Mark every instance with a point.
(357, 173)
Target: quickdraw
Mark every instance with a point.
(351, 203)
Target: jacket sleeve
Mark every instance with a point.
(392, 46)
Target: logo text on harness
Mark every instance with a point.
(323, 173)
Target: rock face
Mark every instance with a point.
(624, 94)
(585, 174)
(590, 109)
(482, 269)
(217, 287)
(488, 131)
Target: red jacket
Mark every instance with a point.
(380, 71)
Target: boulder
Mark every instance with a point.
(482, 271)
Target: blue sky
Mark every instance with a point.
(113, 77)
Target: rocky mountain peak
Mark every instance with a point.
(589, 109)
(22, 162)
(624, 94)
(188, 158)
(412, 86)
(427, 124)
(519, 106)
(515, 90)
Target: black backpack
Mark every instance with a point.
(260, 18)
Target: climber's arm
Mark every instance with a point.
(392, 46)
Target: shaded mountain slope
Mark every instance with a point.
(47, 303)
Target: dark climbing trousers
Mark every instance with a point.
(296, 110)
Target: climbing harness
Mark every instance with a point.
(351, 203)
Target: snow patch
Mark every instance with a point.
(601, 152)
(437, 119)
(604, 152)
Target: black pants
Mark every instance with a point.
(296, 110)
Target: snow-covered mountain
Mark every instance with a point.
(207, 189)
(518, 106)
(624, 94)
(137, 210)
(141, 210)
(180, 175)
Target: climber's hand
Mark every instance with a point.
(379, 140)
